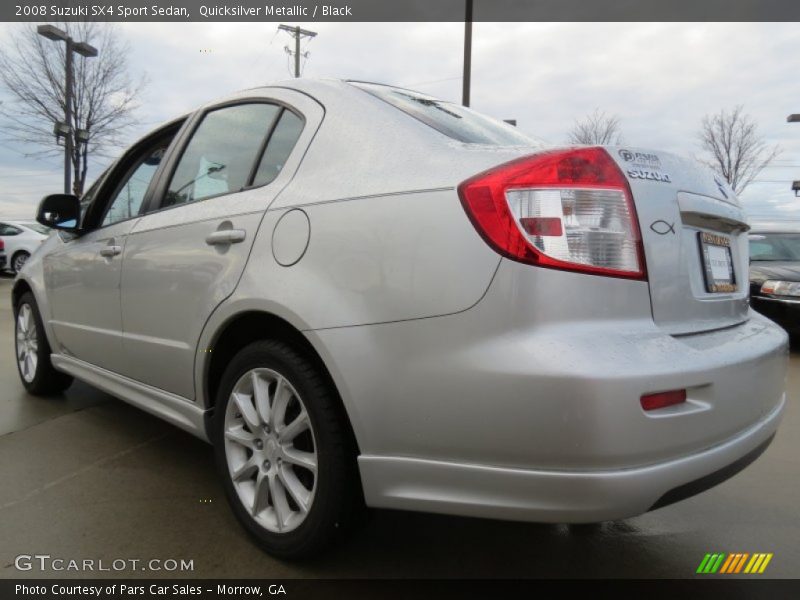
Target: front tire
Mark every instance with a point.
(36, 371)
(284, 450)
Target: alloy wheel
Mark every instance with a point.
(19, 261)
(270, 450)
(27, 343)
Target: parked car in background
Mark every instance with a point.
(21, 239)
(360, 293)
(775, 273)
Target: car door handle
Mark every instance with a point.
(110, 250)
(226, 236)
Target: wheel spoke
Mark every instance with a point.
(240, 436)
(279, 502)
(295, 428)
(260, 497)
(22, 327)
(26, 311)
(280, 400)
(297, 490)
(245, 405)
(245, 471)
(306, 460)
(260, 396)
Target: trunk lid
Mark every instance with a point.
(694, 234)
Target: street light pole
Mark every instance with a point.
(58, 35)
(68, 118)
(465, 80)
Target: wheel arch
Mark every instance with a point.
(250, 326)
(20, 287)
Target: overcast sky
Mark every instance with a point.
(660, 79)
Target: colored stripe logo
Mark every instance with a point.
(733, 563)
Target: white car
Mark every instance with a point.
(21, 238)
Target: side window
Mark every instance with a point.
(221, 153)
(6, 230)
(280, 145)
(127, 199)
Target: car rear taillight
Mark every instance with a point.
(569, 209)
(2, 245)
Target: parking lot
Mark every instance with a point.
(87, 476)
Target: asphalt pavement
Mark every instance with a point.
(85, 476)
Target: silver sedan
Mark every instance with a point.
(364, 295)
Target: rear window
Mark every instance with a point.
(38, 228)
(451, 119)
(775, 247)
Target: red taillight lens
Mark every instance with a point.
(568, 209)
(2, 245)
(663, 399)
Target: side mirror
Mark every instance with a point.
(60, 211)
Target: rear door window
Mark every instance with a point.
(280, 145)
(221, 153)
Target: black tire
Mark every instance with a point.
(47, 381)
(22, 254)
(338, 497)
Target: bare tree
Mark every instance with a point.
(596, 128)
(736, 150)
(104, 95)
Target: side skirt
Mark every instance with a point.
(172, 408)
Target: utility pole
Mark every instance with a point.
(297, 34)
(467, 54)
(57, 35)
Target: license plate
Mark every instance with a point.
(717, 263)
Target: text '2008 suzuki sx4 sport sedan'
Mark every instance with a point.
(362, 294)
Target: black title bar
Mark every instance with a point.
(400, 10)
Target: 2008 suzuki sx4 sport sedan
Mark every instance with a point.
(364, 295)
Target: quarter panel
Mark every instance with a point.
(370, 260)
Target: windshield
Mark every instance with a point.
(775, 246)
(451, 119)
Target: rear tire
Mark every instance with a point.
(284, 451)
(18, 260)
(35, 369)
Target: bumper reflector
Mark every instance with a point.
(663, 399)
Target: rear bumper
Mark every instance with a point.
(558, 496)
(518, 408)
(785, 313)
